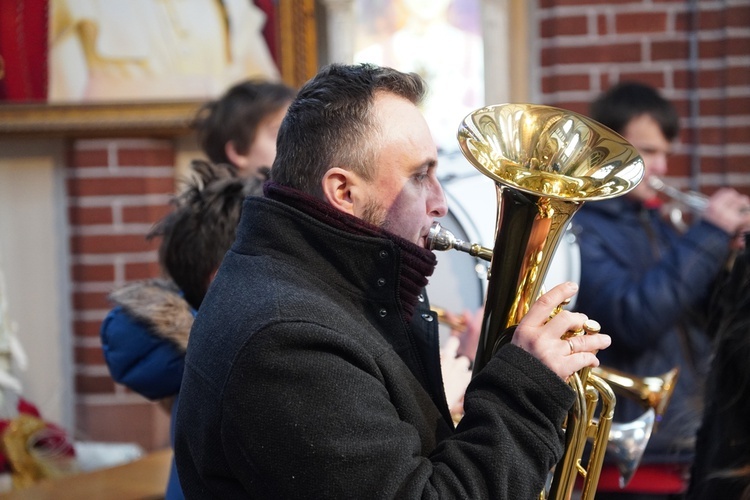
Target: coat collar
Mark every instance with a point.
(415, 263)
(159, 304)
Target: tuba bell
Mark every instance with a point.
(545, 162)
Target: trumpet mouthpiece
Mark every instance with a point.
(655, 183)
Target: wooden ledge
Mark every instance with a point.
(96, 120)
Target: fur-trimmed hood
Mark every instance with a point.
(159, 304)
(145, 336)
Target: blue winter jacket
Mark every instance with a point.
(649, 287)
(144, 340)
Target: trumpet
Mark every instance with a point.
(627, 442)
(693, 200)
(652, 392)
(455, 323)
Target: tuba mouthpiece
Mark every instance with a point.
(441, 239)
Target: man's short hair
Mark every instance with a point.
(202, 227)
(235, 116)
(330, 123)
(625, 101)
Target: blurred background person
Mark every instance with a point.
(240, 127)
(649, 286)
(457, 353)
(145, 336)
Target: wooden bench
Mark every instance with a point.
(142, 479)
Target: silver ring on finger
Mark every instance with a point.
(572, 348)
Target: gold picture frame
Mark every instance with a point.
(298, 41)
(94, 119)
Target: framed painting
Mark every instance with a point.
(90, 67)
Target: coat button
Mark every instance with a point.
(383, 254)
(427, 317)
(383, 313)
(381, 281)
(420, 297)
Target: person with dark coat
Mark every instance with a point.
(313, 367)
(649, 286)
(722, 451)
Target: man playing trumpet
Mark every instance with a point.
(649, 285)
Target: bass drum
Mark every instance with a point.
(459, 282)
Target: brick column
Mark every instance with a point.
(117, 189)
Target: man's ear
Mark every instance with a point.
(341, 188)
(237, 159)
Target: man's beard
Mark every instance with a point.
(375, 214)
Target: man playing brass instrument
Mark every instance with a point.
(313, 368)
(649, 285)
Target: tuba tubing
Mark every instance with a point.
(519, 269)
(626, 441)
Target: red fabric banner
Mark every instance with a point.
(270, 30)
(23, 50)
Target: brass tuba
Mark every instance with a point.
(545, 163)
(627, 440)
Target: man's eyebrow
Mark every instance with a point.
(428, 164)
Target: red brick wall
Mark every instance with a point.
(117, 189)
(584, 46)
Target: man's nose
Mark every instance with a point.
(439, 203)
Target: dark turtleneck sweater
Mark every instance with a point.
(418, 263)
